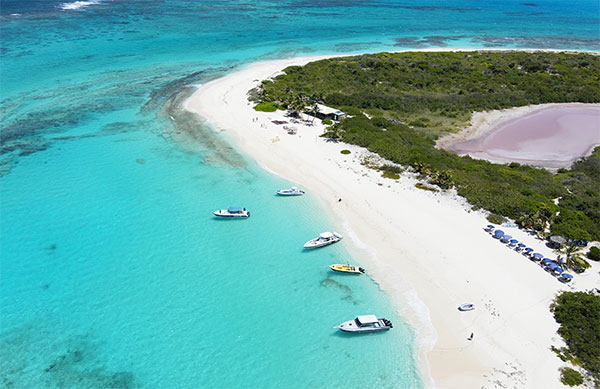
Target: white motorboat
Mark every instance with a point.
(365, 323)
(324, 239)
(293, 191)
(347, 268)
(466, 307)
(232, 212)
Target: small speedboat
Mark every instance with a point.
(365, 323)
(293, 191)
(232, 212)
(324, 239)
(347, 268)
(466, 307)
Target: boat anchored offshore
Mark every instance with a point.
(366, 323)
(293, 191)
(347, 268)
(232, 212)
(324, 239)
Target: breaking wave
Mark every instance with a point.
(75, 5)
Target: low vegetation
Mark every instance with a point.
(267, 107)
(346, 152)
(392, 175)
(495, 219)
(422, 186)
(570, 377)
(400, 103)
(578, 314)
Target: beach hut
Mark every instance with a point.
(325, 112)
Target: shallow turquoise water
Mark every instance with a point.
(113, 271)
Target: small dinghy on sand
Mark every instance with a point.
(466, 307)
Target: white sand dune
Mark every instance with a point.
(427, 250)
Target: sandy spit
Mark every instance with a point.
(427, 250)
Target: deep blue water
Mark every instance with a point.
(113, 271)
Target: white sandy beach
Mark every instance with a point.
(427, 250)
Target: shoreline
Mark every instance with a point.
(426, 282)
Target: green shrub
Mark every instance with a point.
(570, 377)
(495, 219)
(392, 168)
(425, 187)
(326, 121)
(594, 253)
(266, 107)
(388, 174)
(345, 152)
(420, 122)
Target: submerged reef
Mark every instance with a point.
(36, 355)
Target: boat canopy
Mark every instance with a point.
(234, 209)
(367, 319)
(326, 235)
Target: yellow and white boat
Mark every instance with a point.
(347, 268)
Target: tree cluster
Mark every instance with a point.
(578, 314)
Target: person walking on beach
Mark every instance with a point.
(470, 337)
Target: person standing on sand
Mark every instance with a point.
(470, 337)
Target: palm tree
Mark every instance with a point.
(314, 109)
(574, 257)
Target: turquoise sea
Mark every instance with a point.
(113, 272)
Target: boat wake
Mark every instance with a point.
(75, 5)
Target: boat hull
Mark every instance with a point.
(351, 326)
(289, 193)
(225, 214)
(321, 242)
(313, 245)
(466, 307)
(347, 269)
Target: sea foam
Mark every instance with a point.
(78, 4)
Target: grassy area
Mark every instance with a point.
(400, 103)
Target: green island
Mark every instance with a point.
(398, 104)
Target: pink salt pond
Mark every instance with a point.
(550, 137)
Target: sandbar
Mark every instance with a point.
(427, 250)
